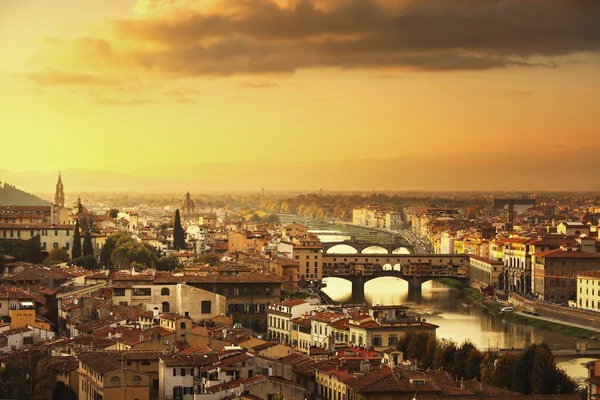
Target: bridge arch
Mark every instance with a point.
(401, 250)
(375, 250)
(387, 267)
(397, 267)
(342, 249)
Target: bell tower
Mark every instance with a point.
(59, 195)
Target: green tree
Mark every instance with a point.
(113, 212)
(255, 218)
(546, 377)
(57, 256)
(32, 250)
(211, 259)
(444, 355)
(417, 345)
(272, 219)
(167, 263)
(88, 248)
(178, 233)
(76, 250)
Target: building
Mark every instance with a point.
(57, 236)
(280, 317)
(288, 270)
(573, 228)
(294, 230)
(308, 253)
(59, 194)
(101, 377)
(167, 296)
(555, 272)
(484, 272)
(243, 241)
(178, 375)
(588, 291)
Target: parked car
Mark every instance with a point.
(507, 309)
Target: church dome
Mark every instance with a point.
(188, 203)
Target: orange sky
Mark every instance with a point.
(122, 85)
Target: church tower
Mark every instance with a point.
(59, 195)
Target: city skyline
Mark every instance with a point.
(369, 95)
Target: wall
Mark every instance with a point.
(556, 312)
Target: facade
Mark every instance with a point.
(294, 230)
(168, 298)
(243, 241)
(555, 272)
(308, 253)
(288, 270)
(484, 272)
(573, 228)
(57, 236)
(588, 291)
(101, 378)
(280, 317)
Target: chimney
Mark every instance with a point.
(462, 384)
(155, 312)
(270, 371)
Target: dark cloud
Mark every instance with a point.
(431, 35)
(55, 77)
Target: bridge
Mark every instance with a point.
(398, 246)
(413, 268)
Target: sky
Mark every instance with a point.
(148, 87)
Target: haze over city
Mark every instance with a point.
(338, 94)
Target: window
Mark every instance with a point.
(118, 292)
(174, 371)
(137, 378)
(68, 233)
(206, 306)
(165, 292)
(166, 307)
(55, 233)
(142, 291)
(392, 341)
(377, 341)
(182, 325)
(188, 390)
(115, 379)
(182, 371)
(145, 362)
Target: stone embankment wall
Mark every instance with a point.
(548, 310)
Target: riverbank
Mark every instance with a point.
(475, 297)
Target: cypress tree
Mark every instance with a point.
(76, 251)
(178, 233)
(88, 249)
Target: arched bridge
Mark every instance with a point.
(414, 268)
(353, 246)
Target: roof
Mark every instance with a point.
(291, 302)
(190, 360)
(485, 260)
(558, 253)
(101, 362)
(12, 292)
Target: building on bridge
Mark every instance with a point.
(307, 251)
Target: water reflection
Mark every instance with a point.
(386, 291)
(324, 238)
(441, 305)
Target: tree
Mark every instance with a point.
(255, 218)
(178, 233)
(88, 248)
(167, 263)
(88, 262)
(546, 377)
(460, 358)
(57, 256)
(444, 355)
(211, 259)
(63, 392)
(487, 368)
(521, 381)
(76, 250)
(32, 250)
(503, 371)
(473, 364)
(113, 213)
(429, 352)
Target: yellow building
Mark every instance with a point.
(294, 230)
(588, 291)
(101, 377)
(24, 315)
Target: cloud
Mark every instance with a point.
(182, 92)
(175, 38)
(108, 101)
(519, 93)
(55, 77)
(258, 85)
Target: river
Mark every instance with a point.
(440, 305)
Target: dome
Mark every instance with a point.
(187, 202)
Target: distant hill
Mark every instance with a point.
(11, 196)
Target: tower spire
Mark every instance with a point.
(59, 194)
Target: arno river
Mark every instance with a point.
(440, 305)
